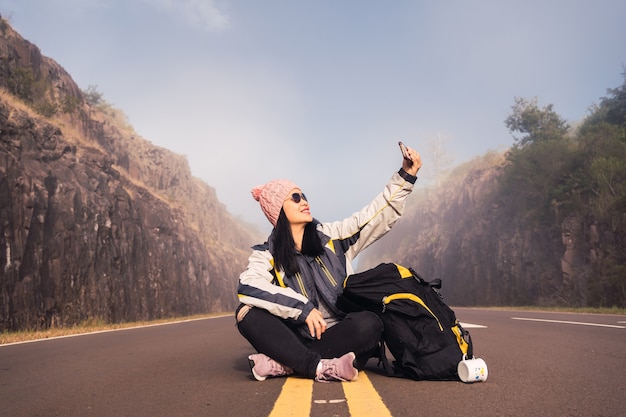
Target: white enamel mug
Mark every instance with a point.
(472, 370)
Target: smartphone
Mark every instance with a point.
(404, 152)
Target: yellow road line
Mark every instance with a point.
(363, 399)
(294, 399)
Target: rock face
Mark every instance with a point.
(487, 253)
(95, 221)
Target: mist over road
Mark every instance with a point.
(540, 364)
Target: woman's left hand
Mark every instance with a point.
(317, 324)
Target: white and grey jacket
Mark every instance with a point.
(320, 279)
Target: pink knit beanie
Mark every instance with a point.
(272, 196)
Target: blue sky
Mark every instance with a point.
(321, 91)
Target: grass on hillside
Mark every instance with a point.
(97, 325)
(89, 326)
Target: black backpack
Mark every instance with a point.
(421, 331)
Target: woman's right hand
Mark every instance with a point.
(414, 165)
(317, 324)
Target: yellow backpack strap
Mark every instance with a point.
(404, 272)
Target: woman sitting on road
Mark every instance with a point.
(289, 289)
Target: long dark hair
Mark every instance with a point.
(284, 245)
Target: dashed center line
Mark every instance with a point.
(296, 398)
(341, 400)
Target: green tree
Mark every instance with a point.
(93, 96)
(612, 108)
(535, 124)
(536, 176)
(602, 145)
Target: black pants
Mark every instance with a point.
(358, 332)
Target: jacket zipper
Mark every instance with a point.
(301, 284)
(412, 297)
(326, 271)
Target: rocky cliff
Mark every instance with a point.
(96, 222)
(489, 251)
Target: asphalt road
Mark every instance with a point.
(540, 364)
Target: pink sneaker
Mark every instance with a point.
(338, 369)
(263, 366)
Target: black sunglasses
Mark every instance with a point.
(297, 197)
